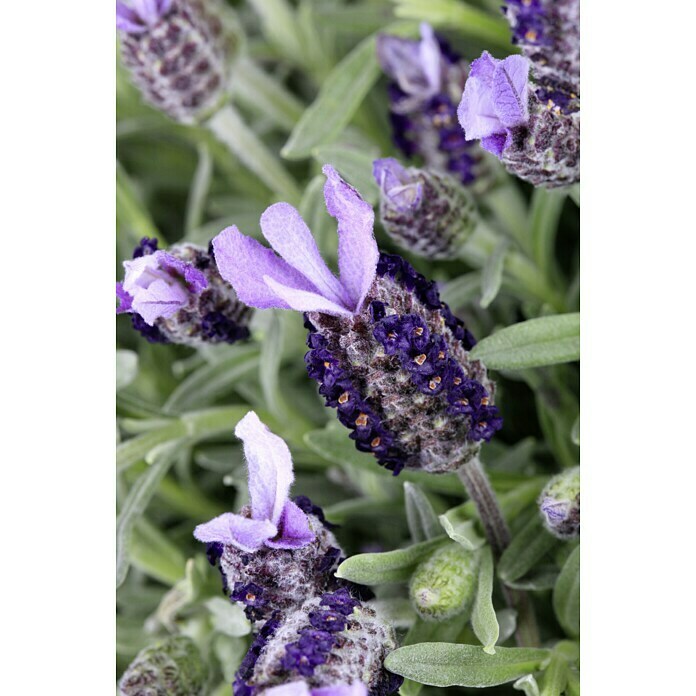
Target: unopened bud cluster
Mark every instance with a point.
(178, 53)
(559, 503)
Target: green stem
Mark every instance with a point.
(229, 128)
(497, 533)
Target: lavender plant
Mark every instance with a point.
(363, 499)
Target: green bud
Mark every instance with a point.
(559, 504)
(172, 667)
(445, 584)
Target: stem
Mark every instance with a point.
(497, 533)
(229, 128)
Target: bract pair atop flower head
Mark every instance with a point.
(275, 520)
(296, 277)
(495, 100)
(137, 16)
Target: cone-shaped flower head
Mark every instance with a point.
(427, 82)
(275, 551)
(445, 584)
(426, 212)
(178, 53)
(333, 645)
(178, 296)
(388, 353)
(172, 667)
(535, 139)
(559, 504)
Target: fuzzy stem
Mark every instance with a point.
(229, 127)
(497, 533)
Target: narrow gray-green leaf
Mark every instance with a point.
(575, 432)
(533, 343)
(131, 214)
(422, 520)
(354, 165)
(339, 98)
(126, 368)
(483, 618)
(198, 193)
(492, 275)
(154, 554)
(450, 664)
(391, 566)
(461, 291)
(228, 618)
(528, 684)
(544, 215)
(526, 549)
(269, 363)
(279, 23)
(462, 531)
(566, 595)
(135, 450)
(136, 503)
(201, 387)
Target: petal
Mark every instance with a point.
(389, 173)
(483, 68)
(294, 531)
(430, 57)
(357, 248)
(242, 532)
(495, 144)
(296, 688)
(304, 301)
(159, 299)
(127, 20)
(397, 186)
(148, 10)
(288, 234)
(476, 112)
(243, 262)
(270, 468)
(511, 91)
(354, 689)
(125, 300)
(195, 279)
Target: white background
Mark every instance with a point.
(57, 275)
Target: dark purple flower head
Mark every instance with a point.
(138, 16)
(383, 346)
(179, 53)
(179, 297)
(319, 652)
(428, 213)
(495, 100)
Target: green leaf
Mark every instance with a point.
(492, 276)
(279, 24)
(461, 291)
(483, 618)
(136, 449)
(391, 566)
(422, 520)
(566, 595)
(396, 611)
(528, 684)
(269, 363)
(450, 664)
(131, 214)
(201, 387)
(575, 432)
(526, 549)
(463, 531)
(340, 96)
(532, 343)
(354, 165)
(545, 213)
(228, 618)
(155, 555)
(126, 368)
(136, 503)
(198, 193)
(459, 16)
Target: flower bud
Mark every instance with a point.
(427, 213)
(445, 584)
(276, 552)
(180, 297)
(560, 504)
(329, 642)
(178, 53)
(172, 667)
(427, 79)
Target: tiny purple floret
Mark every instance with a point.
(402, 191)
(138, 16)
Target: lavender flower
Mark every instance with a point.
(559, 504)
(427, 82)
(272, 554)
(178, 53)
(179, 297)
(172, 667)
(536, 140)
(428, 213)
(388, 354)
(332, 645)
